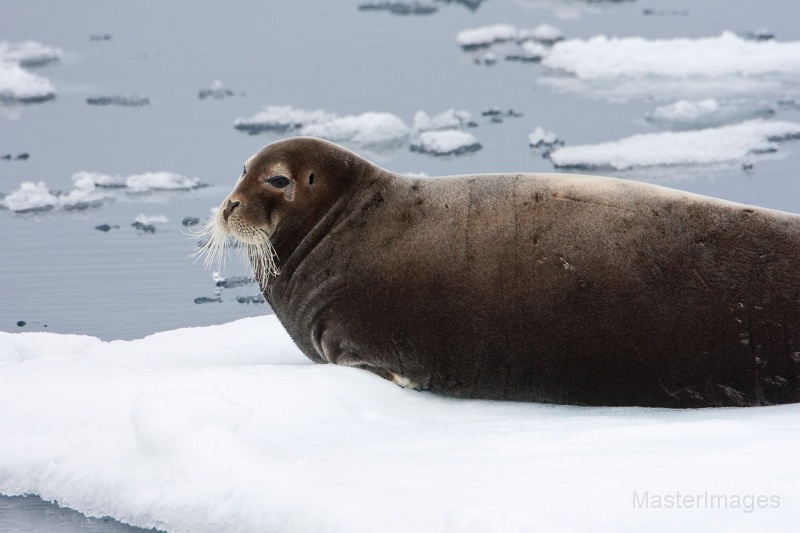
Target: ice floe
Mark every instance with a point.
(217, 91)
(635, 67)
(697, 147)
(486, 36)
(91, 189)
(371, 129)
(699, 114)
(18, 85)
(449, 119)
(29, 53)
(30, 197)
(445, 143)
(281, 119)
(229, 428)
(126, 100)
(570, 9)
(400, 8)
(541, 138)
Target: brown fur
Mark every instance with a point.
(533, 287)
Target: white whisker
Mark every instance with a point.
(257, 252)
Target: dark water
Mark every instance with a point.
(60, 274)
(30, 514)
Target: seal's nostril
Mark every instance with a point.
(229, 207)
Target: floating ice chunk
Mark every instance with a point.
(165, 181)
(635, 67)
(450, 119)
(151, 219)
(690, 115)
(530, 51)
(367, 129)
(486, 35)
(30, 197)
(281, 119)
(543, 33)
(399, 8)
(29, 53)
(129, 100)
(217, 91)
(83, 195)
(713, 145)
(19, 85)
(569, 9)
(541, 138)
(446, 142)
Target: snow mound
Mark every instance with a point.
(543, 33)
(445, 143)
(19, 85)
(229, 428)
(700, 147)
(635, 67)
(29, 53)
(699, 114)
(371, 129)
(449, 119)
(30, 197)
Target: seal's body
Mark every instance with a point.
(534, 287)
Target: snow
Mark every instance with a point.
(29, 53)
(29, 197)
(230, 428)
(707, 146)
(367, 129)
(634, 67)
(445, 142)
(689, 115)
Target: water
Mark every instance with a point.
(62, 275)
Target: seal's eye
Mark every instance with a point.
(279, 181)
(244, 171)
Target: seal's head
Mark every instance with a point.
(283, 191)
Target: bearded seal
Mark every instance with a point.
(553, 288)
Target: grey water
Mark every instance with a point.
(60, 274)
